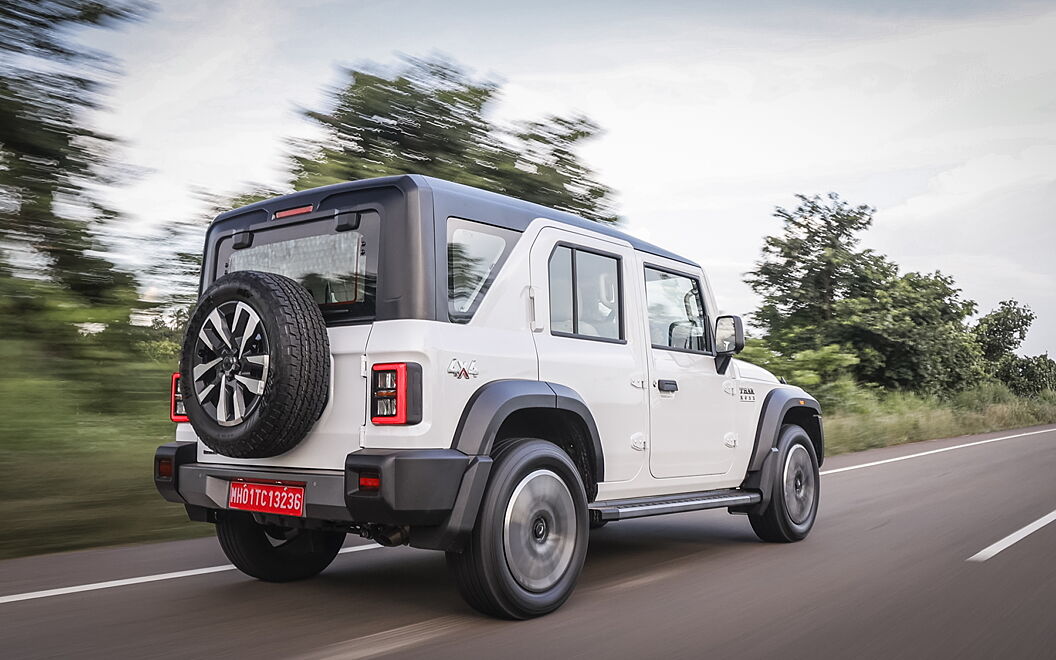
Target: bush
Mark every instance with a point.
(845, 396)
(981, 396)
(902, 417)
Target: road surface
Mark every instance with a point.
(885, 573)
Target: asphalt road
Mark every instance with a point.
(885, 574)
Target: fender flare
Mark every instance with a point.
(474, 436)
(763, 464)
(775, 406)
(495, 401)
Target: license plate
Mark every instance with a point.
(266, 498)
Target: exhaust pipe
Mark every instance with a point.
(390, 537)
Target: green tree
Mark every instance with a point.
(425, 117)
(1027, 376)
(64, 305)
(429, 117)
(1003, 330)
(51, 164)
(999, 334)
(819, 289)
(813, 265)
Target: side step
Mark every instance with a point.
(639, 507)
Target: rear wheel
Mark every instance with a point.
(526, 552)
(273, 553)
(794, 499)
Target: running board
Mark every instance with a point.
(639, 507)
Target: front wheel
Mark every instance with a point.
(273, 553)
(527, 549)
(794, 499)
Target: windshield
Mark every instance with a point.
(339, 269)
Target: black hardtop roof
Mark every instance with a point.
(516, 214)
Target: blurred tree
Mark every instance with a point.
(53, 164)
(426, 117)
(806, 368)
(64, 306)
(429, 117)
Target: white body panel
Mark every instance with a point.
(690, 427)
(609, 376)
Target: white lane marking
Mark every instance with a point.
(1013, 538)
(33, 595)
(389, 641)
(934, 451)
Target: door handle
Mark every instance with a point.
(667, 385)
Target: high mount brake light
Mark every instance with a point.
(396, 393)
(177, 412)
(300, 210)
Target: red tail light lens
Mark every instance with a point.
(177, 412)
(396, 393)
(369, 481)
(286, 213)
(163, 468)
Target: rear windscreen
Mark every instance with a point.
(339, 268)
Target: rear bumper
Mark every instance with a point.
(435, 488)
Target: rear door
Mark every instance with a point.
(692, 410)
(587, 340)
(337, 262)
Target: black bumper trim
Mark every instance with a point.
(180, 453)
(418, 486)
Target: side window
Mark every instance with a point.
(585, 294)
(676, 311)
(475, 253)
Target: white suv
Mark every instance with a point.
(421, 362)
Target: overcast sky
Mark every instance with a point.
(942, 115)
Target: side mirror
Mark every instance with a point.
(729, 335)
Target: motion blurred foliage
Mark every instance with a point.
(428, 116)
(423, 116)
(80, 407)
(845, 322)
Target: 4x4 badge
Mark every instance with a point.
(459, 369)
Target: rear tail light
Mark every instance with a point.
(163, 468)
(369, 481)
(396, 393)
(177, 412)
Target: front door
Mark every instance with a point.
(692, 412)
(583, 287)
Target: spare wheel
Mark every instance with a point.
(255, 366)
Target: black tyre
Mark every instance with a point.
(255, 367)
(794, 500)
(527, 550)
(272, 553)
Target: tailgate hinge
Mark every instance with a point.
(363, 366)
